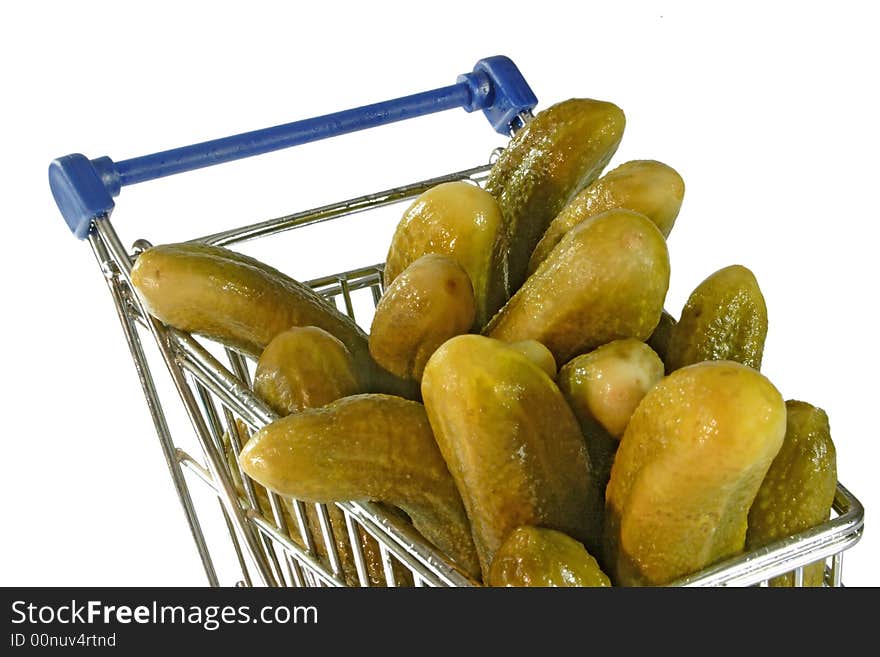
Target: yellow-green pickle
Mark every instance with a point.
(603, 388)
(464, 222)
(534, 556)
(607, 279)
(511, 442)
(659, 339)
(538, 354)
(431, 301)
(373, 563)
(799, 488)
(304, 367)
(609, 382)
(366, 447)
(244, 303)
(561, 151)
(687, 470)
(725, 318)
(232, 298)
(644, 186)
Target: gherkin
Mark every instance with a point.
(645, 186)
(244, 303)
(304, 367)
(365, 447)
(512, 444)
(535, 556)
(606, 280)
(725, 318)
(561, 151)
(799, 488)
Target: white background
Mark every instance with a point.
(768, 110)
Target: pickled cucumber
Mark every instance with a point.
(370, 446)
(538, 354)
(429, 302)
(561, 151)
(304, 367)
(244, 303)
(725, 318)
(603, 388)
(645, 186)
(511, 442)
(687, 470)
(659, 339)
(534, 556)
(460, 220)
(607, 279)
(373, 564)
(609, 382)
(799, 488)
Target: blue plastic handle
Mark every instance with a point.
(84, 189)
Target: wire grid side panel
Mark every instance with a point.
(355, 555)
(317, 544)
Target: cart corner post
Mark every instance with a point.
(83, 189)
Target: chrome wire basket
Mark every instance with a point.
(279, 542)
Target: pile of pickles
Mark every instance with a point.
(523, 397)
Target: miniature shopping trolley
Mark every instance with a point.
(288, 542)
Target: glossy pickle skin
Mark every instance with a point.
(687, 471)
(244, 303)
(606, 280)
(538, 354)
(659, 339)
(431, 301)
(799, 488)
(648, 187)
(301, 368)
(558, 153)
(539, 557)
(366, 447)
(369, 546)
(462, 221)
(511, 442)
(232, 298)
(725, 318)
(603, 388)
(304, 367)
(609, 382)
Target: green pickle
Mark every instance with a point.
(687, 470)
(606, 280)
(375, 569)
(366, 447)
(659, 339)
(244, 303)
(799, 488)
(304, 367)
(725, 318)
(561, 151)
(539, 557)
(463, 221)
(511, 442)
(538, 354)
(431, 301)
(645, 186)
(603, 388)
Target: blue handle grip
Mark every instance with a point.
(84, 188)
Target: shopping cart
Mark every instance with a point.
(289, 542)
